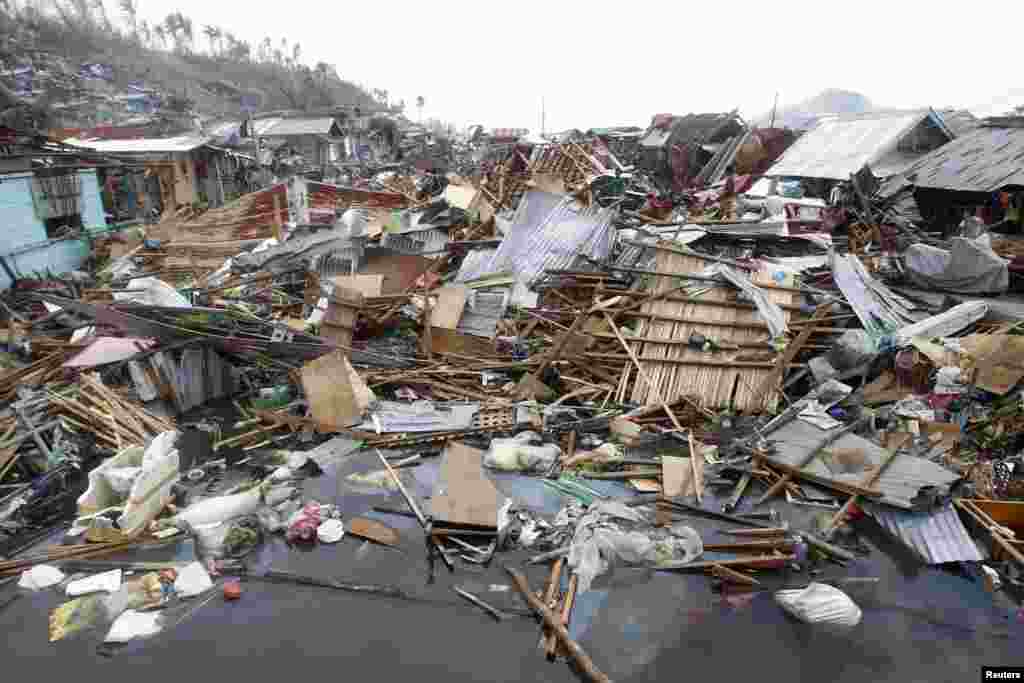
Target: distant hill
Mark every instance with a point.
(803, 115)
(185, 81)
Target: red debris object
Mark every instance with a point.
(304, 528)
(232, 590)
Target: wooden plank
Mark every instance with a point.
(451, 300)
(464, 494)
(449, 341)
(337, 395)
(372, 530)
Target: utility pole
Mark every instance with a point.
(543, 116)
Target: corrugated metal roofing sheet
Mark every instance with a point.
(983, 160)
(899, 484)
(317, 126)
(841, 145)
(936, 538)
(556, 243)
(483, 311)
(474, 264)
(181, 143)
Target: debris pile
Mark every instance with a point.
(585, 356)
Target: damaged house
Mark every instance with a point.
(319, 141)
(839, 146)
(980, 173)
(167, 173)
(44, 208)
(686, 151)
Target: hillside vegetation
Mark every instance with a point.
(207, 68)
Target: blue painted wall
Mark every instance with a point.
(19, 227)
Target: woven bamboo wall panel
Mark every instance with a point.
(719, 387)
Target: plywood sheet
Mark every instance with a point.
(449, 341)
(337, 396)
(367, 285)
(447, 311)
(464, 494)
(677, 475)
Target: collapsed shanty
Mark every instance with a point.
(704, 347)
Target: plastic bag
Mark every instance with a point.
(221, 508)
(131, 624)
(600, 539)
(121, 479)
(820, 603)
(39, 577)
(151, 490)
(192, 580)
(303, 526)
(330, 531)
(106, 582)
(517, 455)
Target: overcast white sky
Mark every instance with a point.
(603, 64)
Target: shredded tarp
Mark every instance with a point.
(968, 267)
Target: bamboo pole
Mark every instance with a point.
(576, 653)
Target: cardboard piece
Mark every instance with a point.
(997, 360)
(449, 341)
(447, 312)
(677, 475)
(464, 495)
(460, 196)
(368, 285)
(337, 396)
(372, 530)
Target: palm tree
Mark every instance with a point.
(131, 12)
(160, 33)
(212, 33)
(145, 35)
(419, 105)
(296, 53)
(188, 37)
(172, 28)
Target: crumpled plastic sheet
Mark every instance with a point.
(600, 540)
